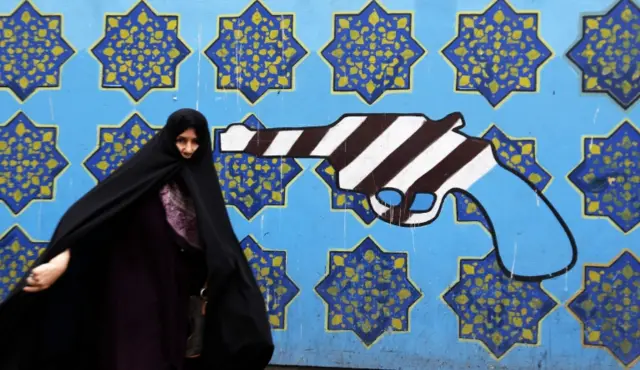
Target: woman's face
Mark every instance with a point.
(187, 143)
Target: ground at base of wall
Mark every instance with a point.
(278, 367)
(442, 367)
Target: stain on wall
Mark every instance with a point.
(415, 185)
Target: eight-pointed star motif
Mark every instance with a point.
(608, 51)
(494, 309)
(18, 252)
(608, 177)
(32, 51)
(249, 183)
(270, 270)
(608, 307)
(30, 162)
(368, 291)
(140, 51)
(255, 52)
(117, 144)
(373, 52)
(497, 52)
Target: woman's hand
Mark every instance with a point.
(45, 275)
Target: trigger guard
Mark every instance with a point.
(434, 203)
(414, 218)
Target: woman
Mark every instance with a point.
(124, 278)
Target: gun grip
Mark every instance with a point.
(530, 237)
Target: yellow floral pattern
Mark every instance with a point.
(497, 52)
(270, 270)
(368, 291)
(18, 253)
(608, 306)
(518, 155)
(32, 51)
(372, 52)
(29, 162)
(345, 200)
(608, 52)
(140, 51)
(250, 183)
(494, 309)
(116, 144)
(256, 52)
(609, 176)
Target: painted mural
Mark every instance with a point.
(416, 186)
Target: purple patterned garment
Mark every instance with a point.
(181, 213)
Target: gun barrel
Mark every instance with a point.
(289, 142)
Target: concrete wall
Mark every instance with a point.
(488, 219)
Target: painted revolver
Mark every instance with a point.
(412, 155)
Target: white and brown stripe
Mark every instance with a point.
(370, 153)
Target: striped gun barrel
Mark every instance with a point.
(408, 153)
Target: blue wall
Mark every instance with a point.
(551, 85)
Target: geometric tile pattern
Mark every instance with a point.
(17, 254)
(249, 183)
(270, 270)
(608, 307)
(29, 162)
(32, 51)
(607, 53)
(495, 310)
(117, 144)
(342, 200)
(497, 52)
(140, 51)
(368, 291)
(372, 52)
(517, 154)
(255, 52)
(608, 176)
